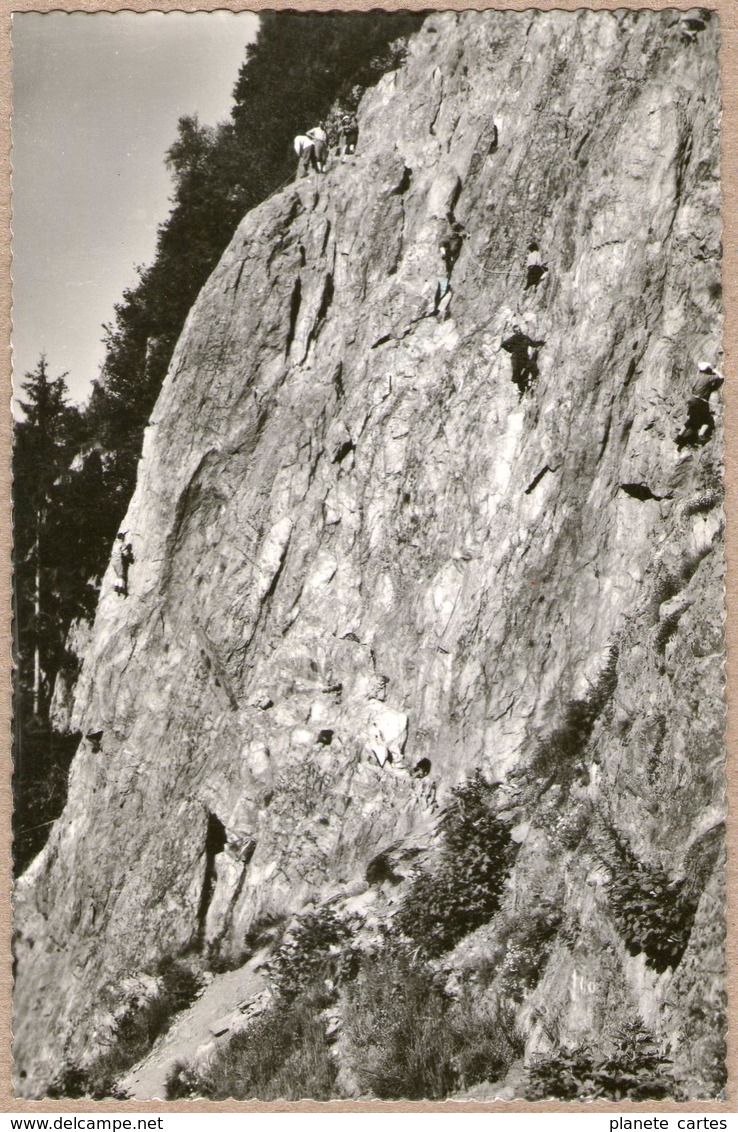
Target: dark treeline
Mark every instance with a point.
(74, 468)
(53, 494)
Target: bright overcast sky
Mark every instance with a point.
(96, 99)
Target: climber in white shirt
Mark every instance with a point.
(320, 146)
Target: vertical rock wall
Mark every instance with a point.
(357, 548)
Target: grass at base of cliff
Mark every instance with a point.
(407, 1039)
(284, 1055)
(401, 1037)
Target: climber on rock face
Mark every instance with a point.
(449, 247)
(122, 559)
(700, 423)
(536, 269)
(451, 243)
(524, 357)
(305, 150)
(349, 134)
(320, 146)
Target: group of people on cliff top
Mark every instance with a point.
(311, 148)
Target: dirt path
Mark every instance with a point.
(216, 1011)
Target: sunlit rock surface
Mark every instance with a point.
(357, 548)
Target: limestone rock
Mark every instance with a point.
(296, 539)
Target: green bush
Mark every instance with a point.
(183, 1081)
(637, 1070)
(654, 914)
(560, 755)
(317, 951)
(488, 1040)
(96, 1083)
(284, 1054)
(407, 1039)
(529, 945)
(465, 889)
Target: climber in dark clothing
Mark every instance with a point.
(536, 268)
(524, 356)
(449, 246)
(122, 559)
(700, 423)
(349, 134)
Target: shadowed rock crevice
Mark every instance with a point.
(404, 183)
(642, 492)
(215, 843)
(537, 479)
(294, 311)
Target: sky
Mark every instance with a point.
(96, 100)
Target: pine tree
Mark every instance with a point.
(42, 452)
(45, 440)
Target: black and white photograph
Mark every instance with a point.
(369, 598)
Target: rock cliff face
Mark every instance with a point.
(357, 549)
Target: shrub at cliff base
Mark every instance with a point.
(465, 889)
(317, 951)
(654, 914)
(407, 1039)
(637, 1070)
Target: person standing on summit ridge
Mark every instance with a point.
(319, 139)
